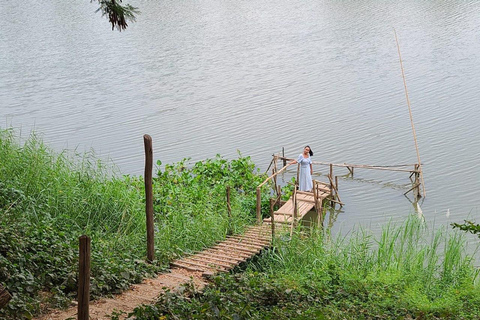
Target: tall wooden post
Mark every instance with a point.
(229, 207)
(272, 203)
(295, 208)
(5, 296)
(283, 156)
(149, 197)
(259, 206)
(83, 278)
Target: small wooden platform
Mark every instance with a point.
(305, 204)
(229, 253)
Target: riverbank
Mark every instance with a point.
(47, 200)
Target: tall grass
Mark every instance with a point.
(409, 271)
(47, 200)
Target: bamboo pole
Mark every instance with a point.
(283, 156)
(229, 207)
(295, 208)
(273, 173)
(149, 197)
(259, 205)
(365, 166)
(298, 174)
(83, 278)
(276, 174)
(272, 203)
(410, 112)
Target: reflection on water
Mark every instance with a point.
(207, 77)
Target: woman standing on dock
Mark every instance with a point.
(306, 169)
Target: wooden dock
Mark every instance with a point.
(301, 203)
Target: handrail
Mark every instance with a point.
(274, 175)
(363, 166)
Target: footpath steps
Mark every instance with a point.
(229, 253)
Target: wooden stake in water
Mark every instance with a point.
(410, 112)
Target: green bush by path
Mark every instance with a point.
(48, 200)
(408, 272)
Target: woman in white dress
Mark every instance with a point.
(306, 169)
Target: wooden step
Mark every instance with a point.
(228, 251)
(219, 257)
(243, 244)
(210, 261)
(238, 248)
(249, 240)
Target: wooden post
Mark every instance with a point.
(229, 207)
(283, 156)
(274, 170)
(5, 296)
(259, 206)
(351, 170)
(416, 191)
(295, 208)
(83, 278)
(272, 203)
(332, 186)
(279, 195)
(298, 174)
(149, 197)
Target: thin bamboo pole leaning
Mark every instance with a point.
(410, 112)
(259, 192)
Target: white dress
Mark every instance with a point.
(305, 178)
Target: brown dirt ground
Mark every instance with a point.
(143, 293)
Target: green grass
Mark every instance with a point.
(47, 200)
(407, 272)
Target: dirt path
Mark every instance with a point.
(222, 257)
(143, 293)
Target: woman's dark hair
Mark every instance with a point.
(309, 152)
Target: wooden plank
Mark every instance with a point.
(200, 267)
(251, 239)
(211, 262)
(187, 266)
(243, 244)
(221, 257)
(238, 248)
(228, 251)
(259, 235)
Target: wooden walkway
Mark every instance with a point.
(305, 202)
(228, 254)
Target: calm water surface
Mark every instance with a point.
(207, 77)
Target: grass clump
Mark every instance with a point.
(408, 272)
(48, 200)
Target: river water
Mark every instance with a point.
(206, 77)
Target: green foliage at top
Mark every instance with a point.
(408, 272)
(117, 14)
(48, 200)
